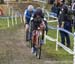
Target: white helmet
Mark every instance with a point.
(30, 7)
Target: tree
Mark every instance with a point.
(1, 1)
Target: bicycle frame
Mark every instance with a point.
(38, 44)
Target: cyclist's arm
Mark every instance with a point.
(24, 16)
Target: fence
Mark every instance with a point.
(60, 44)
(12, 18)
(43, 1)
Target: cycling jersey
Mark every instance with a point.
(36, 23)
(28, 15)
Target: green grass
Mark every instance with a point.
(50, 47)
(4, 23)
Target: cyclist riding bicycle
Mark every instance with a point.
(37, 25)
(27, 16)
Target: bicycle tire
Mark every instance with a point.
(30, 43)
(27, 37)
(38, 51)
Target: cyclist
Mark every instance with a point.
(38, 24)
(27, 16)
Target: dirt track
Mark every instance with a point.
(14, 49)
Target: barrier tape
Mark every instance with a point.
(60, 44)
(61, 29)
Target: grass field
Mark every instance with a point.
(4, 23)
(50, 47)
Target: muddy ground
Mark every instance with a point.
(14, 49)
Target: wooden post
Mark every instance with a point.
(8, 17)
(12, 18)
(15, 18)
(21, 18)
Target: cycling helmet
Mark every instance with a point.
(30, 7)
(38, 12)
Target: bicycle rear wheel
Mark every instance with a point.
(30, 43)
(27, 35)
(38, 51)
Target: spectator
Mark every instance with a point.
(56, 9)
(63, 1)
(51, 1)
(65, 23)
(73, 9)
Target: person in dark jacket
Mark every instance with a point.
(65, 22)
(37, 24)
(73, 9)
(51, 1)
(63, 1)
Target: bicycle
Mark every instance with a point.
(40, 43)
(30, 32)
(38, 46)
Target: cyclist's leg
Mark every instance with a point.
(30, 38)
(37, 43)
(42, 35)
(38, 49)
(42, 38)
(37, 38)
(33, 41)
(27, 31)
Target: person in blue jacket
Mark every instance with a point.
(65, 23)
(27, 16)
